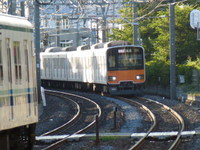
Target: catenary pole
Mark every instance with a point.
(37, 45)
(172, 51)
(135, 28)
(12, 7)
(58, 27)
(22, 9)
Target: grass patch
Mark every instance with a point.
(108, 138)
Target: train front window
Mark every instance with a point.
(111, 61)
(125, 58)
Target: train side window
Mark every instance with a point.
(9, 60)
(17, 62)
(61, 66)
(49, 66)
(54, 67)
(1, 64)
(57, 65)
(26, 60)
(1, 102)
(45, 62)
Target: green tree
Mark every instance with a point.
(126, 30)
(154, 31)
(185, 40)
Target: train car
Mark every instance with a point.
(18, 97)
(116, 67)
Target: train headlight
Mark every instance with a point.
(112, 78)
(140, 77)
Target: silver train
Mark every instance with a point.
(116, 67)
(18, 97)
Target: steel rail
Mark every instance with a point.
(60, 142)
(151, 116)
(177, 117)
(71, 121)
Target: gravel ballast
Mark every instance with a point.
(131, 121)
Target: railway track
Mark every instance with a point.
(165, 119)
(76, 124)
(71, 121)
(161, 119)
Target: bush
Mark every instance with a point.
(158, 72)
(186, 71)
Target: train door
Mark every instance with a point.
(10, 79)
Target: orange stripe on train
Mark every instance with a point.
(126, 75)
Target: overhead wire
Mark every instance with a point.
(80, 9)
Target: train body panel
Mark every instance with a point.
(46, 66)
(100, 66)
(126, 75)
(18, 97)
(15, 110)
(106, 68)
(74, 66)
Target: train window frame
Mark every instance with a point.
(49, 73)
(26, 53)
(2, 102)
(33, 49)
(62, 60)
(120, 50)
(1, 64)
(17, 62)
(45, 65)
(55, 67)
(9, 60)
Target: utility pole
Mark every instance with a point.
(135, 28)
(104, 24)
(77, 34)
(37, 46)
(22, 9)
(104, 19)
(97, 23)
(37, 4)
(58, 28)
(113, 13)
(12, 7)
(172, 51)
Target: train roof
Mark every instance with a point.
(98, 46)
(60, 49)
(110, 44)
(83, 47)
(116, 43)
(14, 23)
(53, 49)
(69, 48)
(88, 47)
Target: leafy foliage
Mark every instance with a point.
(154, 31)
(185, 40)
(157, 73)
